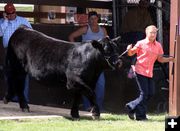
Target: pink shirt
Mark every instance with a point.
(147, 53)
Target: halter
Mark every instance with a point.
(107, 58)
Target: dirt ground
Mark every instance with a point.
(12, 111)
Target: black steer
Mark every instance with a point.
(43, 57)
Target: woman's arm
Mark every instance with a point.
(131, 50)
(163, 59)
(105, 32)
(77, 33)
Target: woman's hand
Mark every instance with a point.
(172, 59)
(129, 47)
(5, 16)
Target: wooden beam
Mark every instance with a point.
(21, 1)
(38, 14)
(178, 72)
(174, 76)
(71, 3)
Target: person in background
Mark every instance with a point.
(8, 24)
(148, 51)
(92, 31)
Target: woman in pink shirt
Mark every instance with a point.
(148, 51)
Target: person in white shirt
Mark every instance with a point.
(8, 24)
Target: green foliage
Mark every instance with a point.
(25, 9)
(107, 122)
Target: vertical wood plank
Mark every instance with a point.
(174, 87)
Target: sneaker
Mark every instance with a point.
(130, 112)
(5, 100)
(142, 119)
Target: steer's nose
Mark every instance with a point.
(119, 64)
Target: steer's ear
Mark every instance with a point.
(96, 44)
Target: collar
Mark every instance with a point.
(11, 21)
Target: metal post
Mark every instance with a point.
(114, 18)
(159, 22)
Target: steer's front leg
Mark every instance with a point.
(75, 107)
(90, 94)
(95, 112)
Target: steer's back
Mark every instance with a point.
(39, 53)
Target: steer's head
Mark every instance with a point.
(109, 50)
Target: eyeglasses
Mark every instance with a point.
(153, 32)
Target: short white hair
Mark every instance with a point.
(150, 27)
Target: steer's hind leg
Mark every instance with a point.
(16, 73)
(20, 87)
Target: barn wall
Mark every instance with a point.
(119, 89)
(71, 3)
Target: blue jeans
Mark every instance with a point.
(99, 90)
(146, 91)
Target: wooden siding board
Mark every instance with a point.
(75, 3)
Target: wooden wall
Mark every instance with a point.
(71, 3)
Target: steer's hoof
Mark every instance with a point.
(5, 100)
(95, 113)
(95, 117)
(75, 119)
(75, 114)
(25, 110)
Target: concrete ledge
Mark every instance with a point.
(12, 111)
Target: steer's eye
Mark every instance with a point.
(106, 48)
